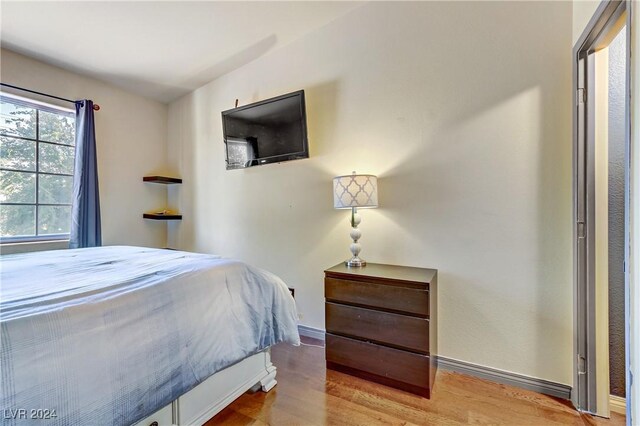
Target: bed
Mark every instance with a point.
(119, 335)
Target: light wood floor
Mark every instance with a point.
(308, 394)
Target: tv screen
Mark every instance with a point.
(269, 131)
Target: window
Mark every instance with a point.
(36, 170)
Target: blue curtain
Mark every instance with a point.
(85, 208)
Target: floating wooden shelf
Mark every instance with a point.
(162, 179)
(156, 216)
(165, 180)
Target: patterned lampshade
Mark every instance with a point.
(355, 191)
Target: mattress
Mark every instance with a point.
(109, 335)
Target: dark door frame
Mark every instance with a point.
(601, 29)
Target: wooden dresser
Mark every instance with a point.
(382, 325)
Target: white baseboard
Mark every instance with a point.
(546, 387)
(314, 333)
(500, 376)
(617, 404)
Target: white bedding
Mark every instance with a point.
(109, 335)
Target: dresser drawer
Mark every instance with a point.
(413, 301)
(387, 363)
(383, 327)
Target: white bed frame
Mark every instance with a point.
(211, 396)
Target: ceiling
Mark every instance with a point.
(161, 50)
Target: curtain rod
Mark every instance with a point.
(96, 107)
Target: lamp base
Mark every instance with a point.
(355, 262)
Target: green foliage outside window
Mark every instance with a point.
(36, 168)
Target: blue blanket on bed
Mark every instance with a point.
(110, 335)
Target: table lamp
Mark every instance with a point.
(350, 192)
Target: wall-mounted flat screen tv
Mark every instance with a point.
(269, 131)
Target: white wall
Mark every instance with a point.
(131, 134)
(463, 110)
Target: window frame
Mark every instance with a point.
(38, 107)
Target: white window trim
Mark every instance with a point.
(36, 102)
(32, 239)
